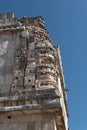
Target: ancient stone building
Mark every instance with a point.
(32, 88)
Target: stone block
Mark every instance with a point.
(29, 81)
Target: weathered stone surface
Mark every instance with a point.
(28, 122)
(31, 77)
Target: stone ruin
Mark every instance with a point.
(32, 87)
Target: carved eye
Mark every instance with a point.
(18, 56)
(29, 80)
(9, 117)
(16, 77)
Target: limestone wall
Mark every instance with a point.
(28, 122)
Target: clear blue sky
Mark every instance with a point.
(66, 21)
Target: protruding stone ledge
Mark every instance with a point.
(34, 94)
(12, 30)
(48, 105)
(47, 66)
(44, 46)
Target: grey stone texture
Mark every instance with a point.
(28, 122)
(32, 87)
